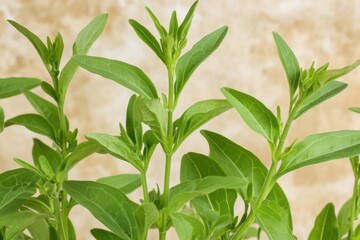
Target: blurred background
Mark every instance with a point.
(321, 31)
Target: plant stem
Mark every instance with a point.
(270, 179)
(144, 186)
(354, 163)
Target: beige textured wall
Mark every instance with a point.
(323, 30)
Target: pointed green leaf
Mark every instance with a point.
(146, 215)
(186, 191)
(133, 127)
(270, 217)
(289, 62)
(197, 115)
(333, 74)
(29, 167)
(159, 27)
(187, 64)
(116, 147)
(320, 148)
(15, 187)
(34, 123)
(147, 37)
(188, 227)
(41, 149)
(153, 114)
(109, 205)
(15, 85)
(100, 234)
(197, 166)
(185, 25)
(355, 109)
(35, 41)
(238, 162)
(123, 73)
(85, 39)
(343, 218)
(173, 25)
(329, 90)
(125, 182)
(49, 90)
(326, 227)
(44, 108)
(16, 222)
(255, 114)
(2, 119)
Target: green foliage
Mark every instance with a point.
(326, 226)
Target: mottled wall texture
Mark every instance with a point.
(321, 31)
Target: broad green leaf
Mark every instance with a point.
(343, 218)
(185, 25)
(197, 166)
(44, 108)
(329, 90)
(326, 227)
(333, 74)
(186, 191)
(41, 149)
(125, 182)
(238, 162)
(40, 230)
(355, 109)
(34, 123)
(123, 73)
(87, 36)
(15, 85)
(187, 63)
(152, 113)
(35, 41)
(255, 114)
(100, 234)
(16, 222)
(109, 205)
(146, 215)
(15, 187)
(85, 39)
(147, 37)
(116, 147)
(133, 126)
(289, 62)
(270, 217)
(81, 151)
(197, 115)
(2, 119)
(188, 227)
(321, 147)
(159, 27)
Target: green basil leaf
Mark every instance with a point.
(40, 230)
(44, 108)
(255, 114)
(85, 39)
(116, 147)
(34, 123)
(329, 90)
(2, 119)
(123, 73)
(147, 37)
(41, 149)
(133, 126)
(49, 90)
(185, 25)
(238, 162)
(187, 63)
(29, 167)
(35, 41)
(15, 85)
(146, 215)
(355, 109)
(173, 25)
(196, 166)
(289, 62)
(186, 191)
(320, 148)
(162, 31)
(152, 113)
(270, 217)
(343, 218)
(15, 187)
(107, 204)
(188, 227)
(333, 74)
(326, 227)
(101, 234)
(125, 182)
(197, 115)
